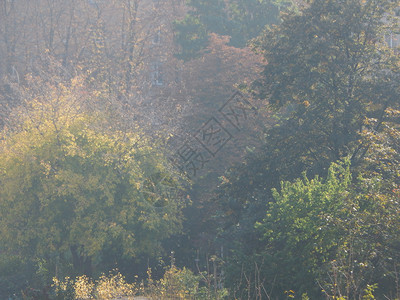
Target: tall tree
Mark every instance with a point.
(74, 185)
(242, 20)
(328, 70)
(331, 63)
(331, 237)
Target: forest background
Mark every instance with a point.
(238, 149)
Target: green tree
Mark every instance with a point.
(381, 174)
(331, 64)
(191, 36)
(242, 20)
(328, 70)
(248, 18)
(301, 229)
(74, 185)
(336, 236)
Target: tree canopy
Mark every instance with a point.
(73, 183)
(241, 20)
(328, 70)
(312, 212)
(331, 236)
(334, 83)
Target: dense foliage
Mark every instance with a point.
(331, 237)
(77, 192)
(336, 83)
(238, 19)
(311, 213)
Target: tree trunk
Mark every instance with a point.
(82, 263)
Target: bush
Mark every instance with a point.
(82, 287)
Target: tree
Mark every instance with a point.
(248, 18)
(191, 36)
(301, 229)
(242, 20)
(74, 185)
(327, 74)
(380, 172)
(120, 45)
(333, 236)
(328, 70)
(381, 146)
(334, 71)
